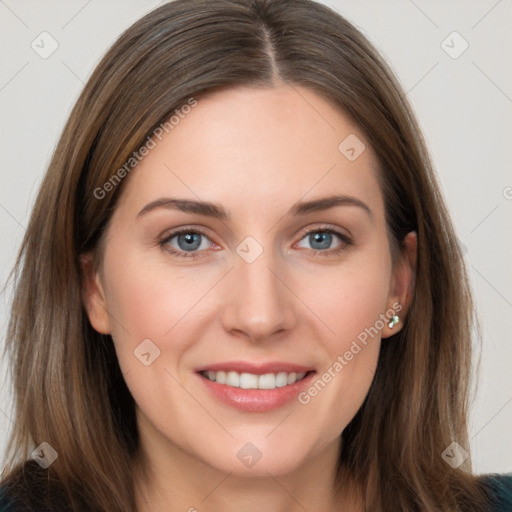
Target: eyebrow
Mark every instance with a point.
(217, 211)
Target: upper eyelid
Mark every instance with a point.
(181, 231)
(325, 227)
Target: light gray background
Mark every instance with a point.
(464, 106)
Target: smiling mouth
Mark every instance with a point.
(253, 381)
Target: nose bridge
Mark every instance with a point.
(259, 304)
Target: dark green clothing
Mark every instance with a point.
(500, 487)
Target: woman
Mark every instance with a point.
(240, 285)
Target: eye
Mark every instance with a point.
(186, 243)
(321, 240)
(190, 243)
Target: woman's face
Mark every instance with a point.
(266, 282)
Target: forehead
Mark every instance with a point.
(254, 149)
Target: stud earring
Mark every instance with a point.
(393, 322)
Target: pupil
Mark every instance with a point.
(191, 241)
(323, 238)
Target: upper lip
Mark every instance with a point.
(256, 368)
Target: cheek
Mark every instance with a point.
(349, 300)
(152, 300)
(149, 299)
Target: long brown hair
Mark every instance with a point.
(68, 386)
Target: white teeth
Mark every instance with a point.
(233, 379)
(248, 381)
(252, 381)
(267, 381)
(292, 377)
(281, 379)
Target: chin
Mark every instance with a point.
(259, 458)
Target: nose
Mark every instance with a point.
(259, 304)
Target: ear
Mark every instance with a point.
(93, 295)
(402, 284)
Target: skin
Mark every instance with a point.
(256, 152)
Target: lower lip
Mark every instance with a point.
(256, 400)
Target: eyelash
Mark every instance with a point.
(346, 242)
